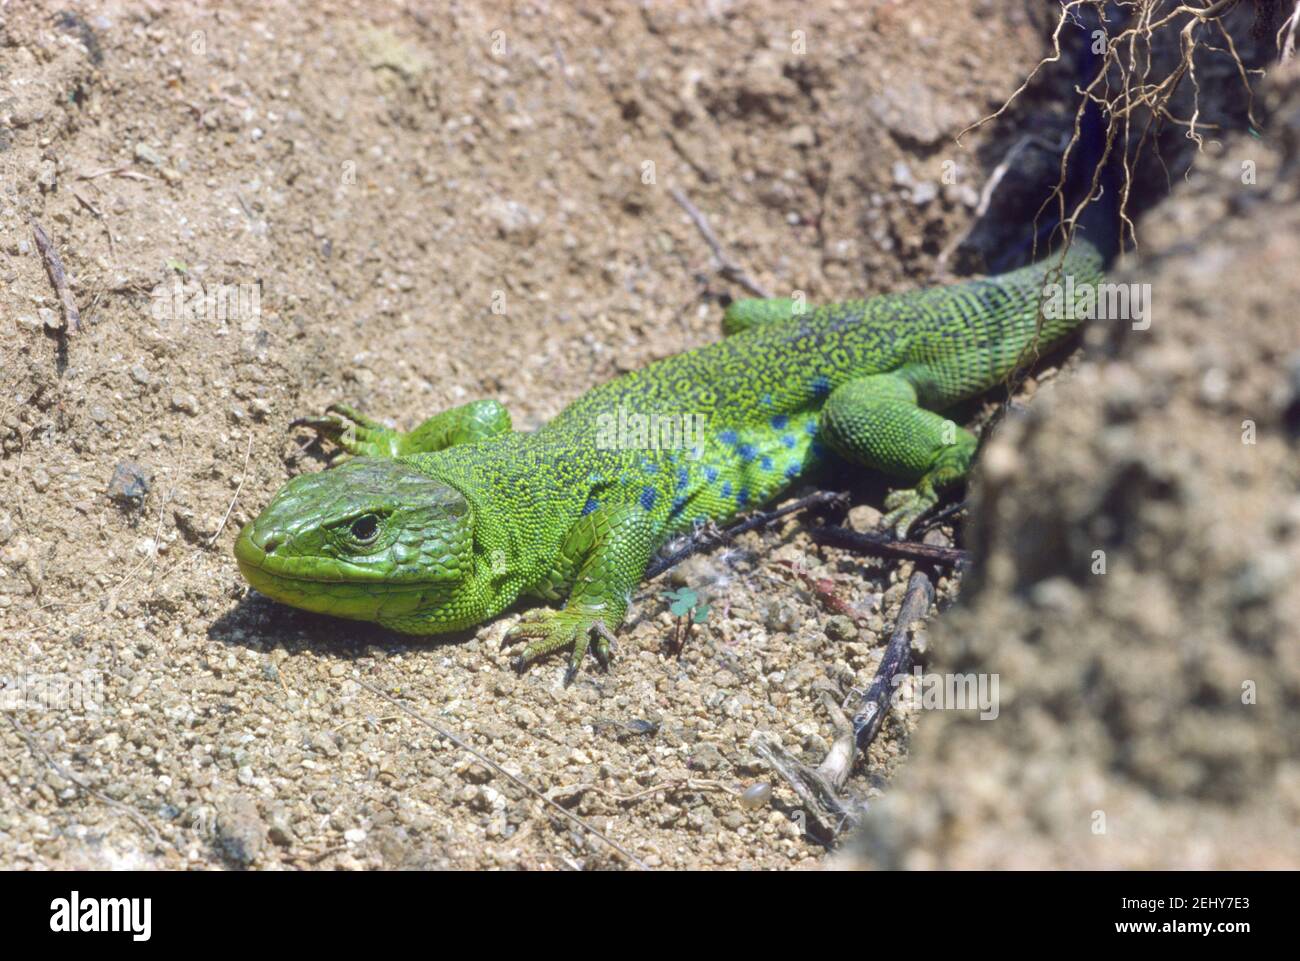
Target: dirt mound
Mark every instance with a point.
(1138, 546)
(264, 210)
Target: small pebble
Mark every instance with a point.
(841, 628)
(185, 403)
(146, 153)
(756, 796)
(129, 484)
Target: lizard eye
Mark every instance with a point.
(365, 527)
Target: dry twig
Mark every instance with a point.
(34, 746)
(709, 537)
(726, 266)
(243, 475)
(883, 545)
(54, 267)
(819, 788)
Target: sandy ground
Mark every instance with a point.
(419, 206)
(406, 206)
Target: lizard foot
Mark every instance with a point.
(907, 506)
(356, 434)
(550, 630)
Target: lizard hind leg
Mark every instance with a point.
(876, 421)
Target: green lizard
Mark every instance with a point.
(448, 525)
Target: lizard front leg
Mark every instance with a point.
(361, 436)
(609, 548)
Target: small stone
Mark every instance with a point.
(864, 518)
(757, 795)
(129, 483)
(840, 627)
(354, 836)
(148, 154)
(240, 832)
(50, 319)
(47, 176)
(1214, 386)
(512, 219)
(140, 374)
(924, 193)
(185, 403)
(802, 135)
(281, 830)
(780, 616)
(706, 757)
(324, 744)
(41, 480)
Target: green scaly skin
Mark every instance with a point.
(450, 524)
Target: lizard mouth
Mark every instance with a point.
(255, 554)
(326, 587)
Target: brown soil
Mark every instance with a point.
(435, 204)
(1138, 543)
(384, 180)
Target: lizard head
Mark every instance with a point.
(373, 539)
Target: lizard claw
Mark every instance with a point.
(356, 434)
(550, 630)
(905, 508)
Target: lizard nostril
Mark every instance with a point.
(270, 545)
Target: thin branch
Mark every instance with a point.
(820, 788)
(869, 713)
(727, 267)
(58, 278)
(882, 545)
(1287, 47)
(821, 800)
(709, 537)
(32, 745)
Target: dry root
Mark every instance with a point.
(1129, 95)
